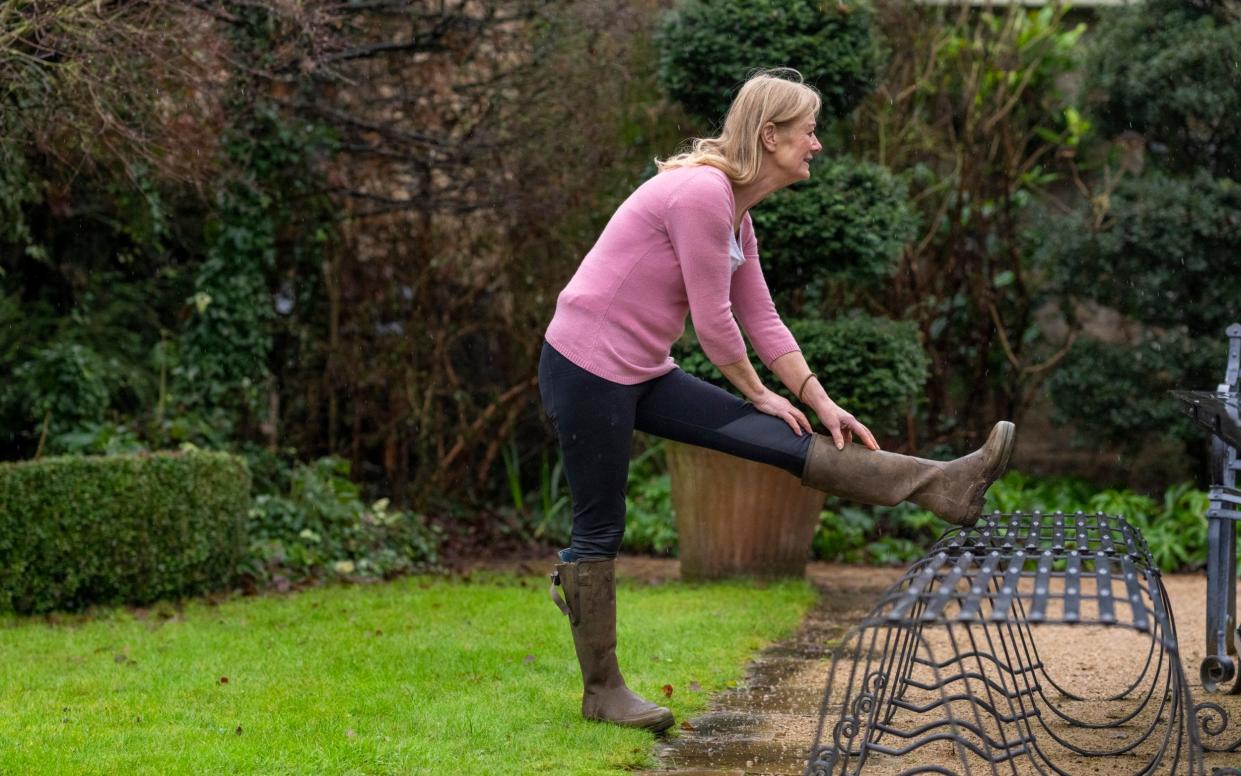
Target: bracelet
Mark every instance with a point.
(802, 390)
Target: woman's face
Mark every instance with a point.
(795, 144)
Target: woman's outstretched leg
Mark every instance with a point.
(685, 409)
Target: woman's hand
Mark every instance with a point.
(773, 403)
(843, 426)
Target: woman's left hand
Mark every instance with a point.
(842, 426)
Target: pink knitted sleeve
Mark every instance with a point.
(753, 306)
(698, 221)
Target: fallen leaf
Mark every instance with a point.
(686, 726)
(695, 687)
(654, 658)
(239, 730)
(223, 680)
(667, 691)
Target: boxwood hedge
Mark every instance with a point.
(132, 529)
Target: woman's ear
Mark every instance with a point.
(768, 136)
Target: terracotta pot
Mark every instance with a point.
(740, 518)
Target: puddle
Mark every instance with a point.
(766, 724)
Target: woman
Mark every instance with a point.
(684, 242)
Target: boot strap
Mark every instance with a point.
(555, 595)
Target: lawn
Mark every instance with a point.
(423, 675)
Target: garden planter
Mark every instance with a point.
(740, 518)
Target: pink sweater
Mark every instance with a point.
(665, 253)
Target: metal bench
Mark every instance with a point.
(960, 667)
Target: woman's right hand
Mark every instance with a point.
(776, 405)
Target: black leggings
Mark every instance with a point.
(595, 418)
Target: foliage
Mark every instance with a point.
(972, 114)
(650, 519)
(1175, 528)
(1157, 238)
(64, 385)
(76, 531)
(322, 528)
(847, 224)
(873, 367)
(1119, 394)
(1160, 253)
(708, 49)
(546, 515)
(883, 536)
(1176, 83)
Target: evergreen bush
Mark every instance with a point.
(708, 49)
(847, 223)
(76, 531)
(1168, 70)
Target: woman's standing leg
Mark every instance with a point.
(594, 420)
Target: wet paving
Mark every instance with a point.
(766, 724)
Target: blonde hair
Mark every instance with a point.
(778, 95)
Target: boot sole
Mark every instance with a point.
(1007, 433)
(655, 725)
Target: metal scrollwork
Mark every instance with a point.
(1213, 722)
(846, 730)
(824, 762)
(875, 681)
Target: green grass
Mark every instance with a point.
(419, 676)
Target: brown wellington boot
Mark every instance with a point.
(953, 490)
(590, 602)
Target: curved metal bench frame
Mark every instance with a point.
(948, 657)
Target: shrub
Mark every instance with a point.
(1119, 394)
(1165, 254)
(872, 367)
(708, 49)
(650, 520)
(123, 529)
(848, 222)
(1169, 71)
(322, 528)
(882, 536)
(64, 384)
(1175, 529)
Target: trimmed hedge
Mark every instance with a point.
(132, 529)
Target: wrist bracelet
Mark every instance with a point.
(802, 390)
